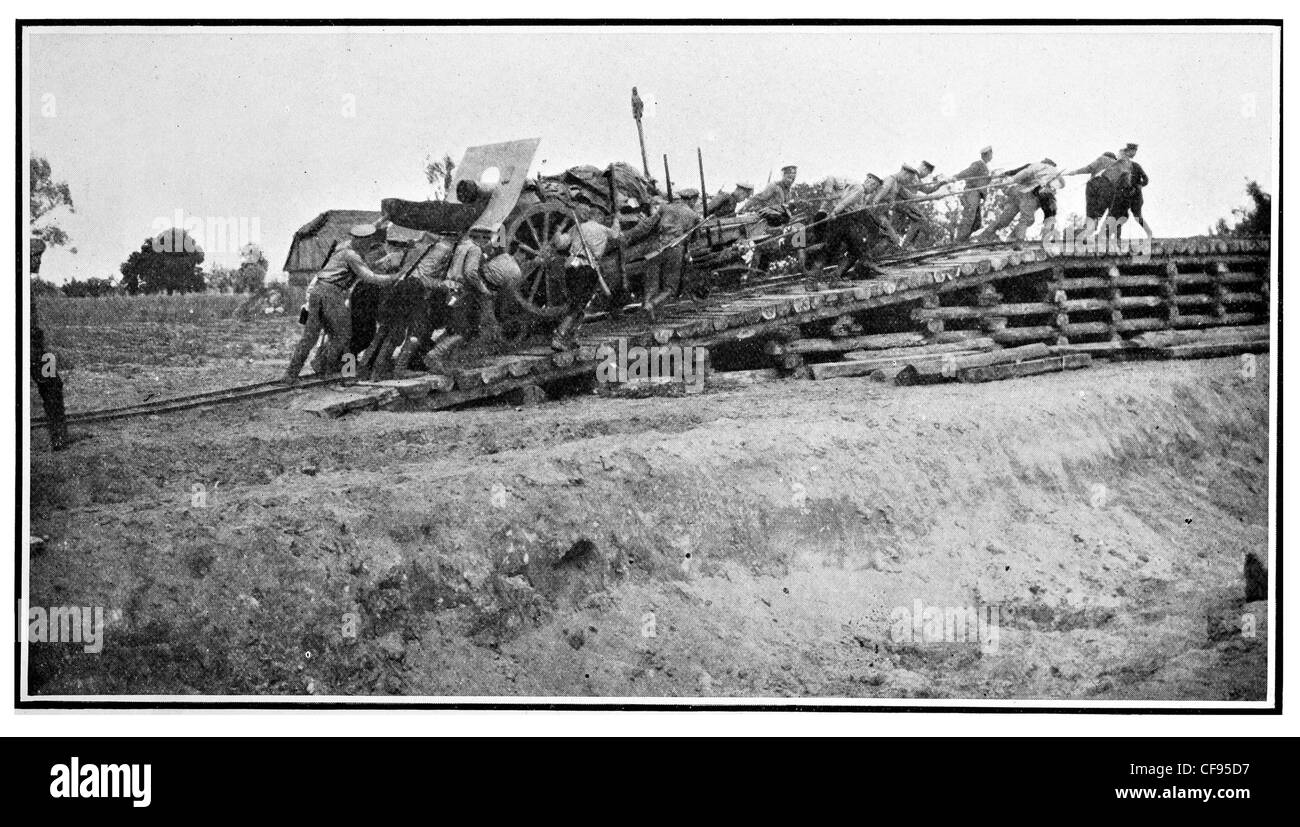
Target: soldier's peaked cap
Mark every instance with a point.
(363, 231)
(744, 185)
(1131, 147)
(986, 150)
(909, 167)
(874, 177)
(790, 168)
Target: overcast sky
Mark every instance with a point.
(254, 123)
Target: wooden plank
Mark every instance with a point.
(926, 350)
(1032, 367)
(1167, 338)
(1182, 321)
(945, 368)
(734, 379)
(1015, 309)
(879, 341)
(1138, 301)
(1095, 349)
(1082, 305)
(1243, 298)
(1130, 325)
(1210, 350)
(864, 367)
(336, 403)
(1236, 277)
(1016, 335)
(1074, 329)
(1191, 299)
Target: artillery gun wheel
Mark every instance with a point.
(528, 238)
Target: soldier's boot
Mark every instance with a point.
(405, 357)
(436, 359)
(669, 287)
(565, 337)
(650, 289)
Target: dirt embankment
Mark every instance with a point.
(751, 543)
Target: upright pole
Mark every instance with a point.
(668, 181)
(637, 106)
(704, 191)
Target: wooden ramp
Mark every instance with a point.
(1093, 303)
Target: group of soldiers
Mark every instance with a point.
(889, 207)
(453, 285)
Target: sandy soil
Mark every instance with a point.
(754, 543)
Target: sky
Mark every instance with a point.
(271, 126)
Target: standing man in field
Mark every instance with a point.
(975, 177)
(44, 366)
(327, 301)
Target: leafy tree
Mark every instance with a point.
(41, 287)
(168, 262)
(439, 175)
(47, 196)
(1255, 220)
(223, 279)
(251, 275)
(90, 288)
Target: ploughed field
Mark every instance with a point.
(776, 541)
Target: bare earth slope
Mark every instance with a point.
(748, 543)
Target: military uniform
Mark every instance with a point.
(1105, 175)
(975, 177)
(770, 201)
(585, 244)
(853, 227)
(49, 384)
(327, 308)
(725, 204)
(403, 318)
(1026, 190)
(669, 229)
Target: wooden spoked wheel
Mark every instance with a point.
(530, 236)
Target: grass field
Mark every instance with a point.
(112, 310)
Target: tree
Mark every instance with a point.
(223, 279)
(440, 175)
(1256, 220)
(90, 288)
(47, 196)
(168, 262)
(252, 269)
(41, 287)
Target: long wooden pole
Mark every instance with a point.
(704, 191)
(640, 132)
(668, 181)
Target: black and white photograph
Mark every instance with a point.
(648, 365)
